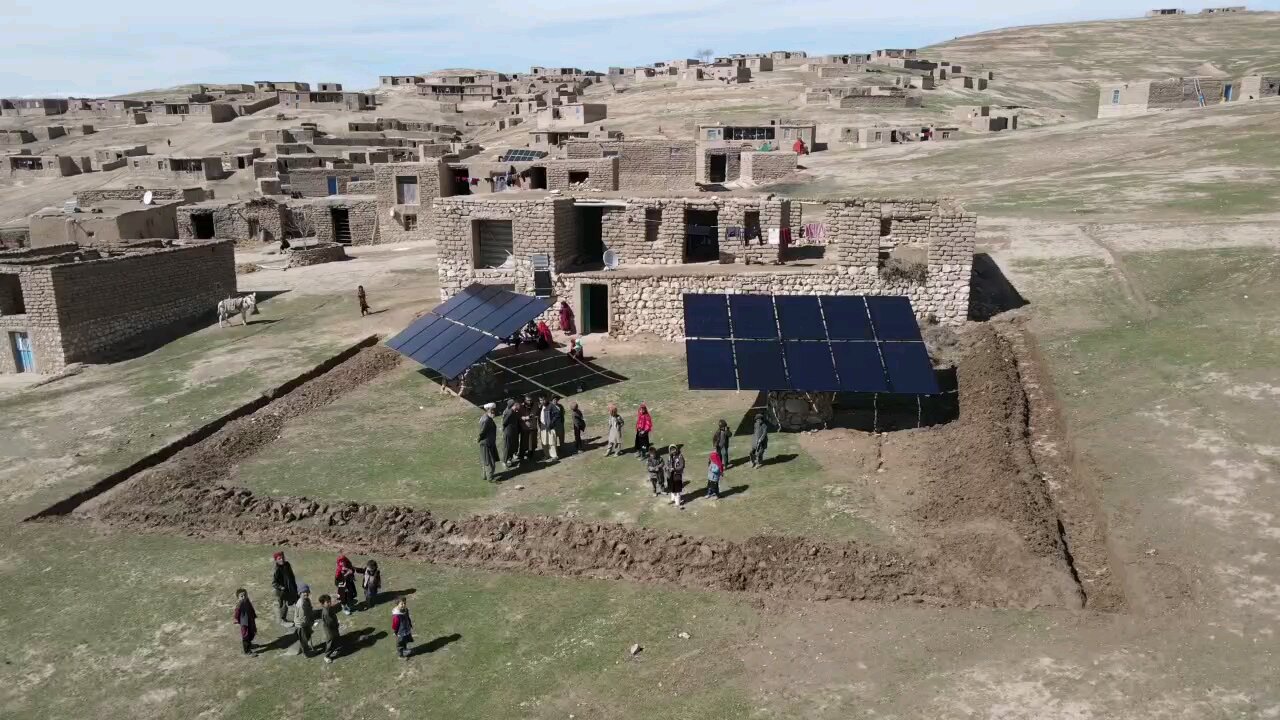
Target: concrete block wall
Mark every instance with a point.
(434, 181)
(767, 167)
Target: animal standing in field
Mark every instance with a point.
(244, 306)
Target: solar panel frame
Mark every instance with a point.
(810, 367)
(760, 365)
(800, 317)
(459, 297)
(416, 327)
(468, 356)
(910, 370)
(706, 316)
(892, 318)
(477, 299)
(751, 317)
(710, 364)
(448, 334)
(496, 321)
(414, 344)
(860, 367)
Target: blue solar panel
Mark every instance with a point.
(859, 366)
(892, 318)
(753, 316)
(706, 316)
(909, 368)
(510, 317)
(412, 331)
(800, 317)
(846, 317)
(462, 296)
(810, 367)
(466, 355)
(486, 308)
(760, 365)
(437, 325)
(477, 298)
(443, 335)
(710, 364)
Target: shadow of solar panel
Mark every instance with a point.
(858, 364)
(466, 354)
(893, 318)
(710, 364)
(752, 316)
(409, 333)
(800, 317)
(706, 316)
(909, 368)
(810, 367)
(760, 365)
(846, 317)
(512, 314)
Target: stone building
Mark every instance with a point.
(66, 304)
(216, 112)
(349, 101)
(46, 165)
(396, 80)
(1224, 10)
(644, 165)
(571, 115)
(242, 222)
(781, 133)
(322, 181)
(342, 219)
(403, 192)
(762, 168)
(668, 246)
(1166, 12)
(16, 137)
(114, 156)
(193, 168)
(33, 106)
(275, 86)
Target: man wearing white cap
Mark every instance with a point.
(488, 440)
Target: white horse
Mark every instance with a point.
(243, 306)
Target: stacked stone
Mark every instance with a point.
(317, 254)
(432, 179)
(542, 226)
(651, 165)
(602, 174)
(766, 167)
(39, 321)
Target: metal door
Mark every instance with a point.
(333, 185)
(24, 356)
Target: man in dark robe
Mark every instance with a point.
(759, 440)
(285, 585)
(511, 435)
(488, 441)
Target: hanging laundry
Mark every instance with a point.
(814, 231)
(732, 233)
(774, 236)
(785, 238)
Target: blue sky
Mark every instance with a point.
(92, 47)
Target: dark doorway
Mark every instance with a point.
(719, 168)
(254, 228)
(537, 178)
(590, 236)
(461, 182)
(893, 136)
(341, 225)
(202, 226)
(702, 242)
(595, 308)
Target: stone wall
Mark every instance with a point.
(602, 174)
(39, 322)
(767, 167)
(733, 162)
(538, 226)
(324, 252)
(362, 216)
(235, 221)
(875, 101)
(88, 198)
(434, 181)
(362, 187)
(314, 182)
(644, 165)
(652, 231)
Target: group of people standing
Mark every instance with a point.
(294, 598)
(531, 429)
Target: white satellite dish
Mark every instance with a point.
(392, 213)
(148, 197)
(610, 260)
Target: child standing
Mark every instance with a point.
(402, 627)
(247, 618)
(653, 463)
(674, 470)
(332, 630)
(715, 471)
(303, 618)
(344, 579)
(644, 426)
(579, 426)
(372, 583)
(364, 302)
(615, 432)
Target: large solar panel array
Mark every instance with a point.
(522, 155)
(810, 343)
(468, 326)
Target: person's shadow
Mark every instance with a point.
(434, 645)
(357, 640)
(701, 493)
(279, 643)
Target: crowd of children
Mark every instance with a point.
(295, 610)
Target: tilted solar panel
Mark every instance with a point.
(751, 316)
(710, 364)
(706, 316)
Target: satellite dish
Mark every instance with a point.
(610, 260)
(148, 197)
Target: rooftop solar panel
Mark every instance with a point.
(909, 368)
(706, 316)
(760, 365)
(800, 317)
(752, 316)
(711, 364)
(893, 318)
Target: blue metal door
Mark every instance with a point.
(23, 355)
(333, 185)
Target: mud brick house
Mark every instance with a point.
(343, 219)
(46, 165)
(781, 133)
(722, 243)
(1166, 12)
(192, 168)
(106, 223)
(66, 304)
(16, 137)
(644, 165)
(572, 115)
(1135, 98)
(275, 86)
(33, 106)
(117, 156)
(350, 101)
(323, 181)
(395, 80)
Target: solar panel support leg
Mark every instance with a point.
(875, 412)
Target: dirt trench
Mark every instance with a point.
(189, 493)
